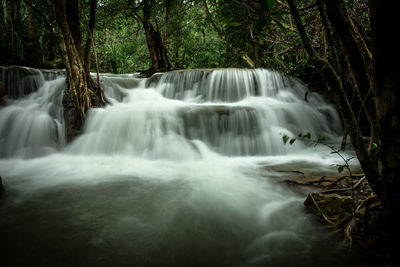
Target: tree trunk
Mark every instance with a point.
(152, 45)
(5, 11)
(162, 50)
(386, 66)
(89, 41)
(357, 57)
(73, 20)
(78, 98)
(157, 50)
(335, 88)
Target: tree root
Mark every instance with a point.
(353, 211)
(320, 210)
(343, 189)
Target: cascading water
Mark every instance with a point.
(168, 174)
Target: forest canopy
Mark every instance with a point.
(193, 33)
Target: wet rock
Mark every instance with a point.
(20, 81)
(73, 121)
(3, 94)
(153, 79)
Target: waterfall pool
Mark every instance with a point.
(176, 171)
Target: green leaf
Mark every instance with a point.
(340, 169)
(285, 139)
(292, 141)
(374, 146)
(235, 24)
(359, 97)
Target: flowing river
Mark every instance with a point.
(179, 170)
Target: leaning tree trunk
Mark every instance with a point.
(78, 98)
(89, 41)
(335, 87)
(356, 56)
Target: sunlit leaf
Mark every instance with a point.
(374, 146)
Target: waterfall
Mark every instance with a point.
(231, 112)
(177, 170)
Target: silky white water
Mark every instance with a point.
(176, 171)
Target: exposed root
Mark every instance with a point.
(320, 210)
(343, 189)
(348, 230)
(354, 211)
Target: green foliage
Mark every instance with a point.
(262, 29)
(285, 139)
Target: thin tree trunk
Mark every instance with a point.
(327, 29)
(5, 11)
(161, 48)
(152, 44)
(335, 88)
(89, 41)
(355, 59)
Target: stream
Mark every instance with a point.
(178, 170)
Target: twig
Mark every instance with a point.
(343, 189)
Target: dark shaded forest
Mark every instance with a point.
(345, 50)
